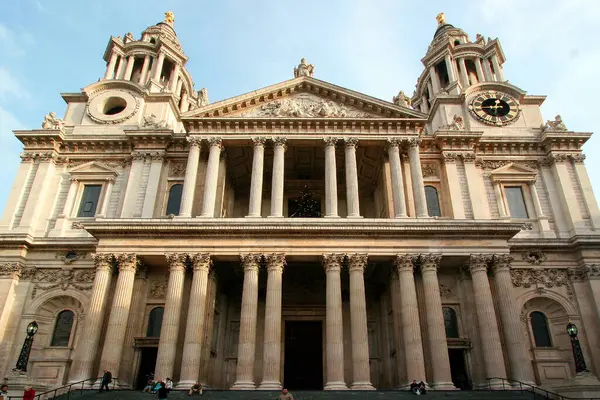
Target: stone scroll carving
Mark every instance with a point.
(542, 278)
(64, 278)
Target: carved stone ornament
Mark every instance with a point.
(98, 100)
(304, 69)
(178, 168)
(556, 125)
(402, 100)
(446, 291)
(151, 121)
(534, 257)
(77, 225)
(70, 256)
(429, 170)
(158, 289)
(584, 272)
(52, 122)
(305, 105)
(495, 164)
(542, 277)
(64, 278)
(203, 97)
(457, 124)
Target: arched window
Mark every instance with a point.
(155, 322)
(433, 201)
(450, 322)
(174, 199)
(62, 329)
(539, 326)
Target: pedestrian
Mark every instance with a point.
(163, 392)
(29, 393)
(4, 392)
(285, 395)
(196, 389)
(106, 379)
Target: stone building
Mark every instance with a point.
(302, 233)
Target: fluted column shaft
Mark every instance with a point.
(158, 67)
(518, 355)
(395, 294)
(70, 201)
(358, 323)
(334, 328)
(272, 338)
(189, 181)
(92, 328)
(411, 328)
(105, 198)
(331, 199)
(169, 331)
(110, 69)
(119, 314)
(352, 196)
(277, 178)
(212, 177)
(397, 180)
(486, 318)
(194, 327)
(129, 68)
(247, 341)
(464, 77)
(144, 72)
(174, 77)
(417, 178)
(436, 330)
(256, 182)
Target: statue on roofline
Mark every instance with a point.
(52, 122)
(556, 125)
(169, 17)
(402, 100)
(202, 97)
(304, 69)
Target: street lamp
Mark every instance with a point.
(577, 353)
(23, 360)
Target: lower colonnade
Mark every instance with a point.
(407, 315)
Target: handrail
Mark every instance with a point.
(58, 392)
(535, 390)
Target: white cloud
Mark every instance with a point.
(13, 44)
(11, 87)
(10, 148)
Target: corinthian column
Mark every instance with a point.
(277, 179)
(334, 329)
(436, 330)
(212, 177)
(518, 356)
(417, 178)
(256, 182)
(486, 317)
(189, 181)
(352, 178)
(397, 180)
(272, 345)
(194, 327)
(169, 331)
(358, 321)
(85, 358)
(331, 199)
(247, 342)
(119, 313)
(411, 328)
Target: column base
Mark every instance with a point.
(253, 216)
(185, 385)
(498, 384)
(270, 385)
(332, 216)
(354, 216)
(401, 216)
(362, 386)
(443, 386)
(335, 386)
(243, 385)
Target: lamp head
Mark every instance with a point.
(572, 329)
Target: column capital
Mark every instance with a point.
(478, 262)
(250, 261)
(259, 141)
(351, 142)
(430, 262)
(332, 261)
(194, 141)
(142, 270)
(357, 262)
(330, 141)
(393, 142)
(201, 262)
(280, 141)
(215, 142)
(103, 261)
(275, 261)
(501, 263)
(127, 261)
(405, 262)
(176, 261)
(413, 142)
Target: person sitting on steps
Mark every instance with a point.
(196, 389)
(422, 387)
(417, 388)
(285, 395)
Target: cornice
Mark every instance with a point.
(564, 140)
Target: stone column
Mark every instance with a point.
(194, 327)
(393, 146)
(543, 223)
(499, 200)
(272, 338)
(256, 181)
(435, 81)
(358, 322)
(462, 72)
(105, 198)
(209, 317)
(441, 378)
(89, 341)
(119, 314)
(212, 177)
(352, 196)
(487, 70)
(133, 182)
(476, 187)
(450, 68)
(129, 68)
(395, 295)
(70, 201)
(120, 66)
(479, 70)
(417, 178)
(486, 318)
(424, 104)
(518, 355)
(169, 331)
(586, 189)
(277, 179)
(331, 199)
(247, 342)
(189, 181)
(159, 65)
(184, 104)
(156, 162)
(174, 77)
(411, 328)
(145, 69)
(454, 185)
(110, 69)
(497, 68)
(334, 328)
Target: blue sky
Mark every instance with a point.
(48, 47)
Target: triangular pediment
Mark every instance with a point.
(513, 172)
(92, 170)
(303, 97)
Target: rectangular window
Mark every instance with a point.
(89, 200)
(516, 201)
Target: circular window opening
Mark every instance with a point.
(114, 105)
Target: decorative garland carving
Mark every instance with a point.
(544, 278)
(70, 256)
(534, 257)
(158, 289)
(178, 168)
(429, 170)
(495, 164)
(64, 278)
(446, 290)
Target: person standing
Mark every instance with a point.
(162, 391)
(106, 379)
(29, 393)
(4, 392)
(285, 395)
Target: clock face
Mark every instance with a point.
(495, 108)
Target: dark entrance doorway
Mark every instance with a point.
(303, 368)
(458, 369)
(147, 364)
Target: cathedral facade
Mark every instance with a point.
(302, 234)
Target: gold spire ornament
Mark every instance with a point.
(441, 19)
(169, 17)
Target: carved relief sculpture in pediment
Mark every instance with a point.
(64, 278)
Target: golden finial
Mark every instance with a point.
(169, 17)
(441, 19)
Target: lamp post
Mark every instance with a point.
(23, 360)
(577, 353)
